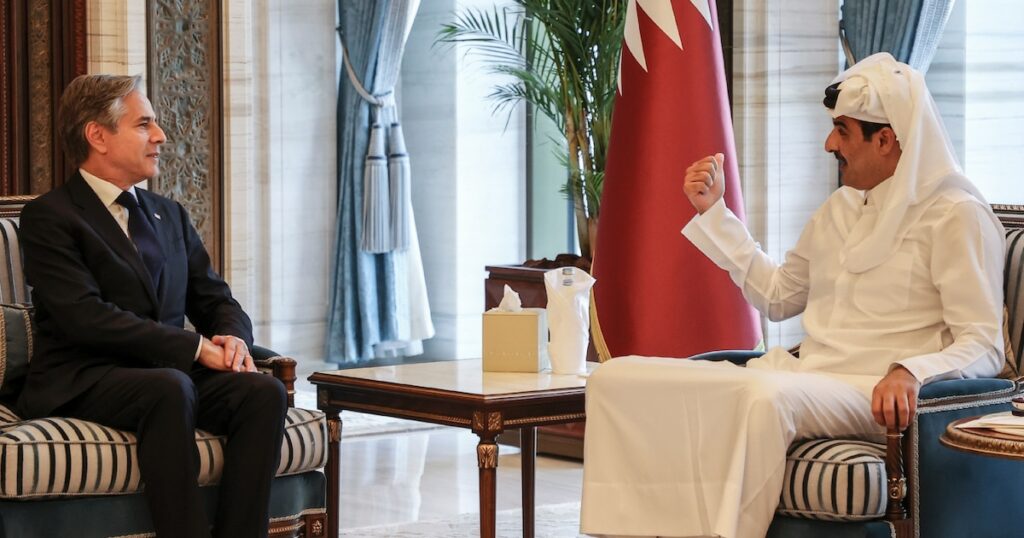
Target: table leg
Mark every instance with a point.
(487, 461)
(528, 448)
(333, 471)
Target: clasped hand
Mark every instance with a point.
(226, 353)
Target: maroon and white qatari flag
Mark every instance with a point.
(656, 294)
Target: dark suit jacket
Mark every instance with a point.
(95, 304)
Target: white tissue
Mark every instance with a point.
(510, 302)
(568, 318)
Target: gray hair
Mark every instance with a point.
(98, 98)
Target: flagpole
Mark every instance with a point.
(595, 324)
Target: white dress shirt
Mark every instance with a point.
(108, 193)
(935, 306)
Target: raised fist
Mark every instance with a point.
(704, 183)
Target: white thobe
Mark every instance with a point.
(690, 448)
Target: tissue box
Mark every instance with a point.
(516, 341)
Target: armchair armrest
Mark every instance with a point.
(735, 356)
(283, 368)
(954, 390)
(955, 398)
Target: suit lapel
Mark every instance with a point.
(100, 219)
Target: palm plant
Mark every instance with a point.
(562, 56)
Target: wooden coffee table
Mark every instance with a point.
(982, 441)
(454, 393)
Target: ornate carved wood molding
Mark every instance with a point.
(69, 48)
(185, 88)
(42, 47)
(13, 91)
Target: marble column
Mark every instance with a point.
(116, 36)
(946, 77)
(994, 109)
(786, 52)
(280, 93)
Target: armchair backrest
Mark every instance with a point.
(15, 314)
(1012, 217)
(13, 288)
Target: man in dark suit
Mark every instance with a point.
(114, 272)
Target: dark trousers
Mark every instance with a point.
(164, 407)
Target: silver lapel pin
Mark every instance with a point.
(157, 215)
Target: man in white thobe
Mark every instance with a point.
(899, 279)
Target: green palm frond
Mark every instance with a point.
(497, 36)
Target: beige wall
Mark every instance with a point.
(280, 99)
(116, 36)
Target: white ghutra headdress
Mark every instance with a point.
(881, 90)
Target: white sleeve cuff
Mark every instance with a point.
(722, 237)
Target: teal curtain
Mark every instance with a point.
(369, 307)
(910, 30)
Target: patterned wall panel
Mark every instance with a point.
(184, 86)
(41, 113)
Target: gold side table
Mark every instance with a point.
(982, 441)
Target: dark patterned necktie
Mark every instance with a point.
(143, 235)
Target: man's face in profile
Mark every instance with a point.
(132, 151)
(858, 158)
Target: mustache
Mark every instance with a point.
(839, 157)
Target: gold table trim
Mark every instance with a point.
(982, 441)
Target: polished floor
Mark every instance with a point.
(432, 475)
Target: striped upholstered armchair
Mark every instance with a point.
(913, 487)
(70, 477)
